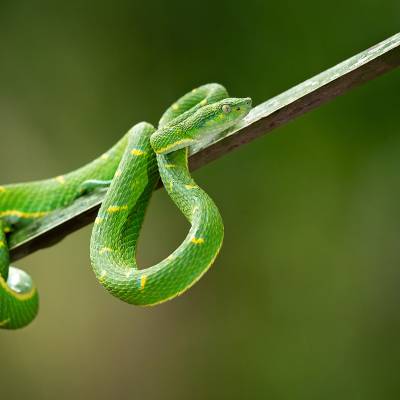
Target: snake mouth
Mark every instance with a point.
(245, 106)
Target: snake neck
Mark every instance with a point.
(179, 184)
(195, 204)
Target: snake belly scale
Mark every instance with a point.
(130, 170)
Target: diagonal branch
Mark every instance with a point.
(267, 116)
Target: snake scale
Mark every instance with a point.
(130, 170)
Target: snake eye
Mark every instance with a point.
(226, 109)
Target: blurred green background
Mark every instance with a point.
(304, 300)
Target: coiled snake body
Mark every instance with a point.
(131, 169)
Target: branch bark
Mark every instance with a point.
(264, 118)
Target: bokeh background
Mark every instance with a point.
(304, 301)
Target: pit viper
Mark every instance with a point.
(130, 170)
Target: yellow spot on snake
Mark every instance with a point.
(143, 281)
(170, 146)
(118, 172)
(192, 283)
(5, 322)
(103, 275)
(170, 165)
(171, 185)
(21, 214)
(18, 296)
(98, 220)
(105, 250)
(191, 187)
(137, 152)
(2, 189)
(113, 209)
(197, 240)
(60, 179)
(175, 107)
(194, 90)
(203, 102)
(105, 156)
(221, 117)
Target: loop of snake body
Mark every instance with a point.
(131, 169)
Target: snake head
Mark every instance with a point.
(222, 115)
(208, 121)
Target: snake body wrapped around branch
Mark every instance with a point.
(131, 169)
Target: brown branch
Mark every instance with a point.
(267, 116)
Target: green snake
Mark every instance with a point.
(130, 169)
